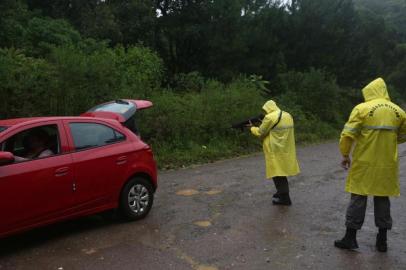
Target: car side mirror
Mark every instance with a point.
(6, 158)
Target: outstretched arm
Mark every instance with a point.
(263, 130)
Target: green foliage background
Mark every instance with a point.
(204, 64)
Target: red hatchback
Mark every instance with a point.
(57, 168)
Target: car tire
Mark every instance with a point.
(136, 199)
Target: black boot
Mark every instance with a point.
(381, 240)
(282, 199)
(276, 195)
(349, 241)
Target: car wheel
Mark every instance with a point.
(136, 198)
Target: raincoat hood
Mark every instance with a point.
(375, 89)
(270, 106)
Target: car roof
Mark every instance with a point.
(33, 120)
(16, 121)
(90, 115)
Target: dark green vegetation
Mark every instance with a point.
(393, 11)
(205, 64)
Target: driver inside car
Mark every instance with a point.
(36, 144)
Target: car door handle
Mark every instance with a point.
(121, 160)
(61, 171)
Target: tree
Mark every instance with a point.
(393, 11)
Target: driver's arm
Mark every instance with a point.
(46, 153)
(20, 159)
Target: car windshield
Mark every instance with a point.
(2, 128)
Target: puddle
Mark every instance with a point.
(203, 223)
(89, 251)
(187, 192)
(205, 267)
(213, 192)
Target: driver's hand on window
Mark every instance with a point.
(19, 159)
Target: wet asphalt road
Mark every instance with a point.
(220, 216)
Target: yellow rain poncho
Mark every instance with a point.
(278, 143)
(377, 126)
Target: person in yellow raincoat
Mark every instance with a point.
(376, 126)
(277, 134)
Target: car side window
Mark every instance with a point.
(88, 135)
(33, 143)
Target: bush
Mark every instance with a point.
(318, 105)
(71, 81)
(314, 91)
(188, 82)
(189, 127)
(202, 116)
(140, 71)
(25, 85)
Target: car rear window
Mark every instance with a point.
(125, 108)
(115, 107)
(89, 135)
(3, 129)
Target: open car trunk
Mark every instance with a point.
(122, 110)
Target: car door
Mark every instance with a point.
(99, 154)
(38, 189)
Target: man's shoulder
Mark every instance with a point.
(361, 106)
(379, 103)
(273, 115)
(269, 116)
(367, 107)
(397, 107)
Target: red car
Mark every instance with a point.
(57, 168)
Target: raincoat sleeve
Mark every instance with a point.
(263, 130)
(346, 145)
(402, 132)
(350, 132)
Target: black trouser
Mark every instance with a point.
(281, 184)
(357, 208)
